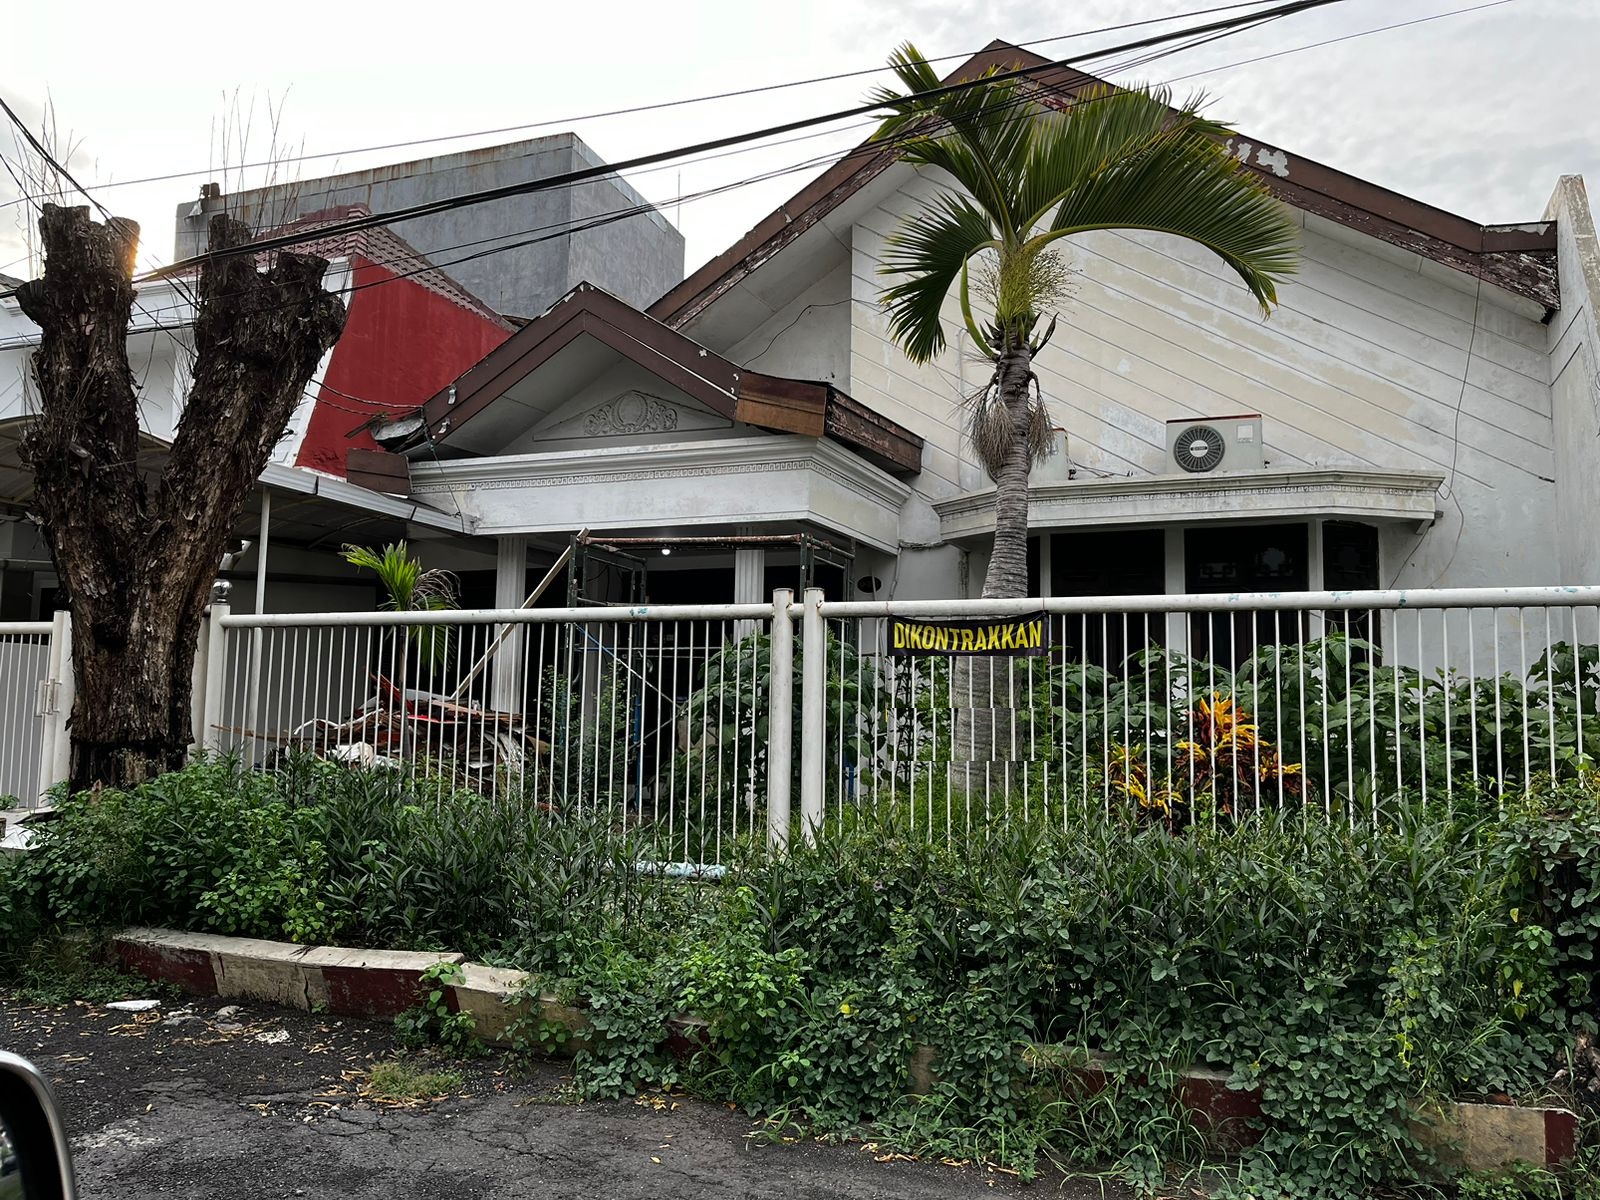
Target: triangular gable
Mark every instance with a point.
(750, 397)
(1518, 258)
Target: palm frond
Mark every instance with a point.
(1105, 128)
(979, 136)
(1191, 187)
(931, 251)
(409, 588)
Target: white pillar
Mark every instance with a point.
(749, 577)
(813, 683)
(780, 720)
(510, 590)
(253, 686)
(1177, 583)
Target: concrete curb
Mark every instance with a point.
(384, 983)
(367, 983)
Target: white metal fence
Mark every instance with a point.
(655, 716)
(709, 723)
(31, 714)
(1191, 708)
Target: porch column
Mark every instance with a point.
(510, 590)
(749, 576)
(1177, 576)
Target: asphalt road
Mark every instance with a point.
(268, 1103)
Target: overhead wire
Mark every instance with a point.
(654, 106)
(550, 182)
(548, 232)
(1243, 62)
(1253, 20)
(431, 260)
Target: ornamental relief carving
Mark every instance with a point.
(631, 412)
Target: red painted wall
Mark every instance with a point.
(401, 344)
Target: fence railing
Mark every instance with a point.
(710, 723)
(32, 713)
(653, 716)
(1198, 707)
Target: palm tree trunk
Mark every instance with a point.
(985, 741)
(1007, 577)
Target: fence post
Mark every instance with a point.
(813, 685)
(211, 695)
(780, 719)
(198, 674)
(55, 750)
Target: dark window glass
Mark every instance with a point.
(1244, 558)
(1129, 562)
(1350, 564)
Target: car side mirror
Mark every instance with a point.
(35, 1163)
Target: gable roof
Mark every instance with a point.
(752, 397)
(1518, 258)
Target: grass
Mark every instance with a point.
(63, 969)
(400, 1079)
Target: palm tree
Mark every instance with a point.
(411, 588)
(1026, 178)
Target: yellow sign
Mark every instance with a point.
(1020, 635)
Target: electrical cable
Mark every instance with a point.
(325, 232)
(1455, 12)
(550, 182)
(1256, 19)
(617, 215)
(644, 108)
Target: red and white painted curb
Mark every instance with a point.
(384, 983)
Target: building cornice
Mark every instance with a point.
(780, 477)
(610, 465)
(1360, 493)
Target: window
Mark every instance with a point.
(1350, 563)
(1123, 562)
(1244, 558)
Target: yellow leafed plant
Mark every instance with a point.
(1222, 766)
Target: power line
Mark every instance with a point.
(572, 178)
(550, 182)
(643, 108)
(60, 169)
(1455, 12)
(569, 228)
(559, 229)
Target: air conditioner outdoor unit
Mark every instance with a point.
(1216, 444)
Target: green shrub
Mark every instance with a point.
(1344, 972)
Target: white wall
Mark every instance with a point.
(808, 338)
(1374, 357)
(1574, 364)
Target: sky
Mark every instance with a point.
(1477, 113)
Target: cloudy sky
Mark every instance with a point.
(1477, 112)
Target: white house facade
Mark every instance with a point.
(1419, 410)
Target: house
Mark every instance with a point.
(410, 329)
(1420, 410)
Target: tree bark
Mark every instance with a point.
(985, 729)
(1007, 576)
(137, 554)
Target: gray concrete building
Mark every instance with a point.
(637, 259)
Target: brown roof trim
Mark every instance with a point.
(1518, 258)
(768, 401)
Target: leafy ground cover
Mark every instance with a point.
(1345, 972)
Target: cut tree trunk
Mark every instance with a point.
(137, 549)
(982, 691)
